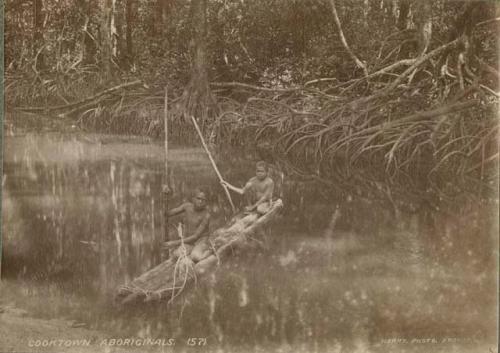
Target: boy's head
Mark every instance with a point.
(200, 199)
(261, 170)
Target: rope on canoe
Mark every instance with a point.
(186, 261)
(214, 250)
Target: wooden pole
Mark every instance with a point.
(166, 189)
(213, 162)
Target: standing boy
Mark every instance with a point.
(258, 190)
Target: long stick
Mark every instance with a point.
(213, 162)
(166, 186)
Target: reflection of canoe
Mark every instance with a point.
(171, 277)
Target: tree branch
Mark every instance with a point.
(319, 80)
(252, 87)
(418, 62)
(445, 109)
(484, 65)
(496, 19)
(358, 62)
(82, 102)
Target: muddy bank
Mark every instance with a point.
(19, 332)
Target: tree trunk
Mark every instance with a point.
(366, 11)
(129, 23)
(38, 34)
(113, 30)
(107, 31)
(424, 24)
(221, 60)
(160, 15)
(199, 21)
(402, 24)
(197, 97)
(472, 13)
(119, 27)
(404, 10)
(157, 16)
(88, 45)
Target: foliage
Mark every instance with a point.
(283, 75)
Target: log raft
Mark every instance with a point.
(171, 277)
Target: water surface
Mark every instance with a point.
(82, 214)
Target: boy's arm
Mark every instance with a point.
(177, 210)
(199, 230)
(232, 187)
(174, 212)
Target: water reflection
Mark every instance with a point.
(84, 215)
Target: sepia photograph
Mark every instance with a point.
(250, 176)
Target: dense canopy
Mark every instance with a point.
(350, 93)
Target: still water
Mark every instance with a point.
(82, 214)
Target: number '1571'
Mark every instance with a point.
(196, 341)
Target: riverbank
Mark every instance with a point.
(21, 333)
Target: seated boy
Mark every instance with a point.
(258, 190)
(196, 222)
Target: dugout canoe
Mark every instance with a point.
(171, 277)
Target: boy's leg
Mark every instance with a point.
(201, 250)
(183, 250)
(263, 208)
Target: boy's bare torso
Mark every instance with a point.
(192, 219)
(259, 187)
